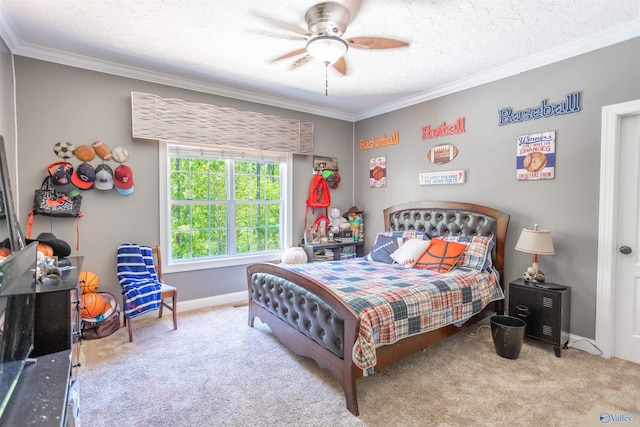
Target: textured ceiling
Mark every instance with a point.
(226, 47)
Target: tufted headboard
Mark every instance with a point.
(436, 218)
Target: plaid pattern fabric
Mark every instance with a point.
(478, 253)
(394, 302)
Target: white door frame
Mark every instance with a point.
(608, 222)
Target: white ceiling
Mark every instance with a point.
(225, 47)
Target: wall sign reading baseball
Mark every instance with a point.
(434, 178)
(443, 130)
(383, 141)
(536, 156)
(442, 154)
(378, 172)
(571, 104)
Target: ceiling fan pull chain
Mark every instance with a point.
(326, 79)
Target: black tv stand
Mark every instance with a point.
(47, 392)
(40, 397)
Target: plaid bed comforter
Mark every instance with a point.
(395, 302)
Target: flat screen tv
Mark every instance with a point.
(17, 290)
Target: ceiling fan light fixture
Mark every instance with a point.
(327, 49)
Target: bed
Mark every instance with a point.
(309, 309)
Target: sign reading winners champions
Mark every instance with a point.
(536, 156)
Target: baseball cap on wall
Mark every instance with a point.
(84, 177)
(104, 178)
(62, 179)
(123, 180)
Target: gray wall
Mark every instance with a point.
(56, 102)
(567, 205)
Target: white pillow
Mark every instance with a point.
(409, 253)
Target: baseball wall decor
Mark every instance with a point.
(536, 156)
(571, 104)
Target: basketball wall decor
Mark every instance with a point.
(378, 172)
(442, 154)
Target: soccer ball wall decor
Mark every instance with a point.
(64, 149)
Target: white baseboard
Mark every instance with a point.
(195, 304)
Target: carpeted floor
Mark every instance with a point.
(217, 371)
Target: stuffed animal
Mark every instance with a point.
(532, 276)
(336, 222)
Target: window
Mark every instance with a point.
(223, 207)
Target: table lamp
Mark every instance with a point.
(536, 242)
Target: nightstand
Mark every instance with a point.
(336, 251)
(546, 308)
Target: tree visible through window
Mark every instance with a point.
(223, 206)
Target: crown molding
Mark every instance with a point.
(93, 64)
(566, 51)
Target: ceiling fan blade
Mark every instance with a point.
(282, 36)
(374, 43)
(283, 25)
(341, 66)
(290, 54)
(300, 62)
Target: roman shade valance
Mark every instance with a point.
(156, 118)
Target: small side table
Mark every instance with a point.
(546, 307)
(337, 249)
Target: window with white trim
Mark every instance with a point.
(222, 206)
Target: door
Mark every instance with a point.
(627, 290)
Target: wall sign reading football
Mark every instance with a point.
(443, 130)
(442, 154)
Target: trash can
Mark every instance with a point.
(508, 334)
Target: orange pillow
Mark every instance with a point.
(441, 256)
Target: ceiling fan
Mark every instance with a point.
(326, 23)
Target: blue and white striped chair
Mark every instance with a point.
(140, 275)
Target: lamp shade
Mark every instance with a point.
(535, 242)
(327, 49)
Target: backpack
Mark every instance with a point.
(319, 196)
(319, 193)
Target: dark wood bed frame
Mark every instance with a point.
(435, 218)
